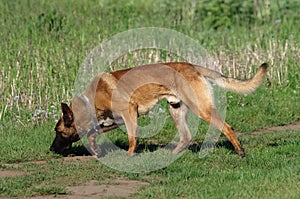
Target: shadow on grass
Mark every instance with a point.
(107, 147)
(80, 150)
(196, 147)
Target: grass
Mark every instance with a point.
(25, 144)
(263, 108)
(270, 170)
(49, 41)
(43, 45)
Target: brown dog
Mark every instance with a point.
(120, 97)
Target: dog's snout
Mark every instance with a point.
(60, 147)
(52, 149)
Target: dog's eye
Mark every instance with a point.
(56, 130)
(65, 135)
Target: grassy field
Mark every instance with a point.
(44, 43)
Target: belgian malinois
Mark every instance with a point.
(120, 97)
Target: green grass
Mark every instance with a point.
(43, 48)
(44, 43)
(265, 107)
(270, 170)
(21, 144)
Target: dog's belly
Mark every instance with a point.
(144, 108)
(147, 105)
(107, 118)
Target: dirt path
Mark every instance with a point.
(293, 126)
(119, 187)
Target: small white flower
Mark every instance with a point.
(161, 110)
(277, 21)
(16, 98)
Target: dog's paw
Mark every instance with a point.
(132, 154)
(95, 151)
(241, 153)
(181, 146)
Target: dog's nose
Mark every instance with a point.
(52, 149)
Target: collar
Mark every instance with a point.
(95, 126)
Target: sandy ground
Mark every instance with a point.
(119, 187)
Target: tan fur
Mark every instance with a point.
(122, 96)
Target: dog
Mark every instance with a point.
(120, 97)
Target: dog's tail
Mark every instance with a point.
(235, 85)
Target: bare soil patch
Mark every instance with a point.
(10, 173)
(117, 188)
(293, 126)
(120, 188)
(41, 162)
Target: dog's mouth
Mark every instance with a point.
(60, 149)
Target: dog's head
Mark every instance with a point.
(66, 132)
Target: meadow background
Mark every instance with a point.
(44, 43)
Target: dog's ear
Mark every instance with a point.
(67, 114)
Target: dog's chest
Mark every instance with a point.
(106, 121)
(106, 118)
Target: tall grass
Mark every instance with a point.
(281, 58)
(43, 44)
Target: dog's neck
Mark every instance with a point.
(84, 113)
(90, 110)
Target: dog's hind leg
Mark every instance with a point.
(212, 117)
(202, 104)
(178, 113)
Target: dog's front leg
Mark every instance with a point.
(91, 136)
(130, 118)
(94, 148)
